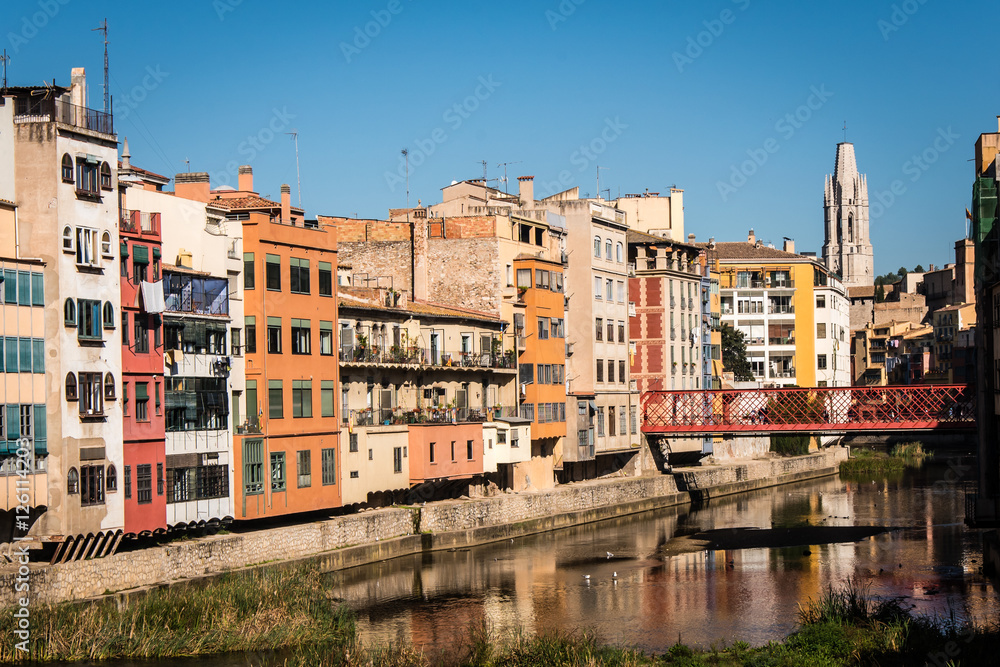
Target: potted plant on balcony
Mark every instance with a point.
(361, 350)
(521, 290)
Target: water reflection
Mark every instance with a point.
(644, 598)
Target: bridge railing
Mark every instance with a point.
(809, 409)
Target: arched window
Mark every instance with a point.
(109, 315)
(109, 386)
(607, 249)
(105, 176)
(70, 387)
(106, 244)
(620, 253)
(72, 482)
(67, 239)
(597, 246)
(69, 312)
(67, 169)
(850, 227)
(111, 478)
(840, 229)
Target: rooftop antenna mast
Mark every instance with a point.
(4, 59)
(107, 89)
(298, 174)
(483, 162)
(845, 131)
(505, 181)
(599, 181)
(406, 157)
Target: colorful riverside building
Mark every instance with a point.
(286, 452)
(66, 194)
(428, 399)
(140, 259)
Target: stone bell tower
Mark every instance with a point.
(847, 247)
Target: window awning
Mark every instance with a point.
(140, 254)
(141, 391)
(593, 406)
(156, 253)
(124, 249)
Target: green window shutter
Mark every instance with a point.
(37, 289)
(13, 423)
(326, 398)
(273, 321)
(140, 254)
(123, 250)
(325, 326)
(10, 355)
(37, 355)
(10, 286)
(156, 253)
(24, 288)
(250, 320)
(325, 266)
(141, 391)
(24, 347)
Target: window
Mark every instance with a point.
(325, 338)
(600, 370)
(430, 451)
(253, 467)
(109, 387)
(620, 253)
(468, 449)
(329, 464)
(304, 468)
(621, 332)
(273, 272)
(249, 276)
(611, 370)
(510, 275)
(86, 246)
(70, 387)
(109, 315)
(352, 443)
(141, 336)
(599, 329)
(821, 301)
(23, 288)
(277, 471)
(72, 482)
(611, 420)
(37, 289)
(69, 313)
(144, 483)
(91, 394)
(621, 371)
(159, 479)
(325, 279)
(274, 335)
(91, 485)
(597, 287)
(111, 479)
(821, 362)
(821, 330)
(326, 398)
(67, 169)
(140, 261)
(600, 422)
(142, 401)
(611, 332)
(86, 177)
(453, 451)
(106, 245)
(127, 480)
(250, 323)
(621, 291)
(67, 240)
(302, 398)
(622, 424)
(609, 286)
(235, 347)
(597, 247)
(275, 408)
(88, 326)
(105, 176)
(558, 328)
(543, 328)
(541, 279)
(301, 339)
(607, 249)
(397, 460)
(633, 415)
(125, 398)
(298, 280)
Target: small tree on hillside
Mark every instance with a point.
(734, 354)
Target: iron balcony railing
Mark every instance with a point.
(139, 222)
(430, 415)
(420, 357)
(40, 110)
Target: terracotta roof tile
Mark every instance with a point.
(861, 291)
(744, 250)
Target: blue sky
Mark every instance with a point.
(656, 94)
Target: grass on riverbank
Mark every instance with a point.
(867, 462)
(265, 609)
(287, 618)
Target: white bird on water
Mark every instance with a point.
(586, 576)
(610, 554)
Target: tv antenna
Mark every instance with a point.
(483, 162)
(505, 181)
(845, 131)
(4, 59)
(298, 174)
(599, 181)
(107, 89)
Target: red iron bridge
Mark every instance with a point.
(810, 410)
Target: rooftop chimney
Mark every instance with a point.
(286, 204)
(526, 189)
(245, 179)
(78, 87)
(192, 185)
(751, 238)
(790, 246)
(126, 164)
(691, 238)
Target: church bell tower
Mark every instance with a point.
(847, 248)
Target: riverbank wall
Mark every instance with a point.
(378, 535)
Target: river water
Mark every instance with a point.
(641, 596)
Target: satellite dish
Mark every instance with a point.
(454, 182)
(226, 188)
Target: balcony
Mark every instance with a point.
(38, 110)
(779, 309)
(415, 356)
(442, 415)
(249, 427)
(139, 222)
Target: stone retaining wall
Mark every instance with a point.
(757, 474)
